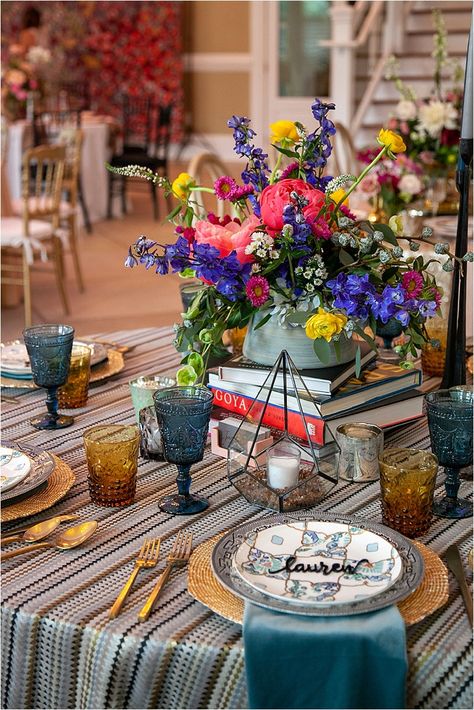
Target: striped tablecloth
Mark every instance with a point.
(59, 650)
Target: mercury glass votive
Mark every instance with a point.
(360, 447)
(74, 393)
(112, 461)
(407, 482)
(151, 446)
(144, 387)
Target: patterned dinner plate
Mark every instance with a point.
(14, 467)
(15, 360)
(243, 558)
(41, 467)
(317, 562)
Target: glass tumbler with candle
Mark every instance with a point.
(74, 393)
(112, 460)
(144, 387)
(433, 352)
(407, 482)
(283, 465)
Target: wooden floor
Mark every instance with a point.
(114, 297)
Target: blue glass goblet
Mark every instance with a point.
(49, 349)
(450, 423)
(183, 415)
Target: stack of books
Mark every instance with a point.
(383, 394)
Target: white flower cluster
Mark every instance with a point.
(314, 273)
(38, 55)
(262, 246)
(436, 115)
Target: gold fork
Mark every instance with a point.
(147, 557)
(179, 553)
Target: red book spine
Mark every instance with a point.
(274, 416)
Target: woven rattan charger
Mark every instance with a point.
(203, 586)
(58, 485)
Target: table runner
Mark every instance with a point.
(59, 650)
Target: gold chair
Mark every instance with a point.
(36, 230)
(206, 168)
(72, 139)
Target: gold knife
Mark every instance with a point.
(453, 558)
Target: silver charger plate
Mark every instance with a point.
(42, 466)
(224, 569)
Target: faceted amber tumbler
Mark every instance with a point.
(407, 481)
(76, 390)
(112, 460)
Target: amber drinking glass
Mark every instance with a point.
(407, 482)
(112, 460)
(433, 356)
(75, 392)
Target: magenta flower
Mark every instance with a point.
(242, 192)
(412, 282)
(257, 290)
(225, 187)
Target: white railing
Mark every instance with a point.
(372, 29)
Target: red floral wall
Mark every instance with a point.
(132, 47)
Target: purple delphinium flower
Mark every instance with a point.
(257, 170)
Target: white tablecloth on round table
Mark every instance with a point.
(95, 153)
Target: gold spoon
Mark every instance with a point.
(72, 537)
(38, 531)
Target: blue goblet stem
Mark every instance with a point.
(52, 402)
(183, 479)
(452, 482)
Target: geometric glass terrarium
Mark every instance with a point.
(282, 456)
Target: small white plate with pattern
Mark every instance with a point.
(15, 360)
(14, 467)
(317, 562)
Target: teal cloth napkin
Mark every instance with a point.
(294, 661)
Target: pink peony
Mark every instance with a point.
(232, 236)
(370, 184)
(275, 197)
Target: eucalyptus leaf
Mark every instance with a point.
(322, 350)
(358, 365)
(297, 318)
(345, 258)
(387, 233)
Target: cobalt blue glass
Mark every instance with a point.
(183, 415)
(450, 422)
(49, 349)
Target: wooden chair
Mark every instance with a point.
(206, 168)
(36, 230)
(146, 130)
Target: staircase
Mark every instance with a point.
(416, 65)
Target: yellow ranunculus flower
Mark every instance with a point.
(182, 184)
(396, 224)
(337, 194)
(283, 132)
(392, 140)
(325, 325)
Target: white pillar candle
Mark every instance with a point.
(282, 472)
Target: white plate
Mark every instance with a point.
(14, 467)
(317, 562)
(15, 359)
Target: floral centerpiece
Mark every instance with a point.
(22, 78)
(290, 249)
(430, 126)
(393, 185)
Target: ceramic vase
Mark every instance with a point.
(264, 345)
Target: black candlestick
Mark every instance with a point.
(455, 365)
